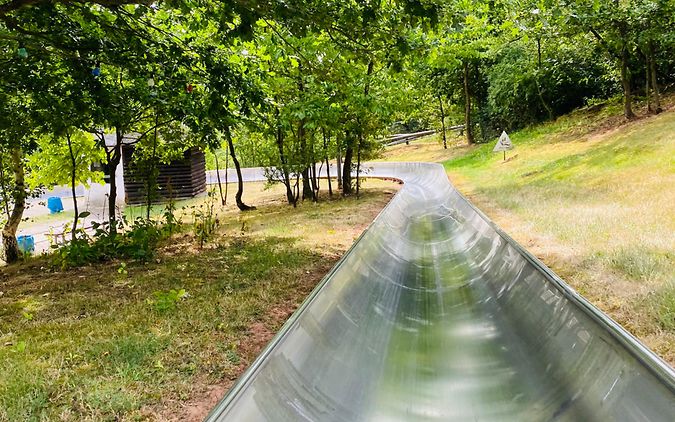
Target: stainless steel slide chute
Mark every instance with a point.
(436, 315)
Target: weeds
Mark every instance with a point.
(166, 301)
(639, 263)
(138, 242)
(205, 222)
(662, 306)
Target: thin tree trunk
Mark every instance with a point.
(315, 182)
(227, 170)
(152, 182)
(625, 83)
(3, 187)
(297, 190)
(440, 103)
(358, 166)
(73, 179)
(307, 191)
(220, 185)
(240, 186)
(114, 159)
(648, 93)
(347, 167)
(325, 156)
(315, 179)
(338, 158)
(655, 85)
(290, 196)
(467, 106)
(9, 241)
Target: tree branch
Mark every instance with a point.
(604, 43)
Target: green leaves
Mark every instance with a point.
(51, 165)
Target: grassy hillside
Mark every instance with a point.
(599, 208)
(592, 196)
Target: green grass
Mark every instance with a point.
(94, 344)
(610, 194)
(663, 307)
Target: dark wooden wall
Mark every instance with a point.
(181, 179)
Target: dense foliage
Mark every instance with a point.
(292, 85)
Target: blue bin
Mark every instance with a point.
(26, 243)
(54, 204)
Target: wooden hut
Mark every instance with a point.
(181, 179)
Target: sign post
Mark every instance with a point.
(504, 144)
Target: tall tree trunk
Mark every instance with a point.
(220, 185)
(315, 177)
(655, 85)
(114, 158)
(347, 166)
(307, 191)
(290, 197)
(338, 159)
(152, 176)
(9, 241)
(315, 182)
(325, 156)
(626, 84)
(358, 166)
(349, 151)
(468, 127)
(296, 187)
(240, 186)
(648, 93)
(73, 180)
(3, 187)
(440, 104)
(227, 171)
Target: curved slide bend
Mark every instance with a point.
(437, 315)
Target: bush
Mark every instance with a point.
(138, 242)
(521, 93)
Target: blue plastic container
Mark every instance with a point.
(26, 243)
(54, 204)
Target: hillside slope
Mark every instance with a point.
(592, 196)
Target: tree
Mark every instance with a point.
(17, 133)
(613, 25)
(65, 159)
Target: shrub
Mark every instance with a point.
(138, 242)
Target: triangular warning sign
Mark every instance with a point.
(504, 143)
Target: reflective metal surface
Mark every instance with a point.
(435, 314)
